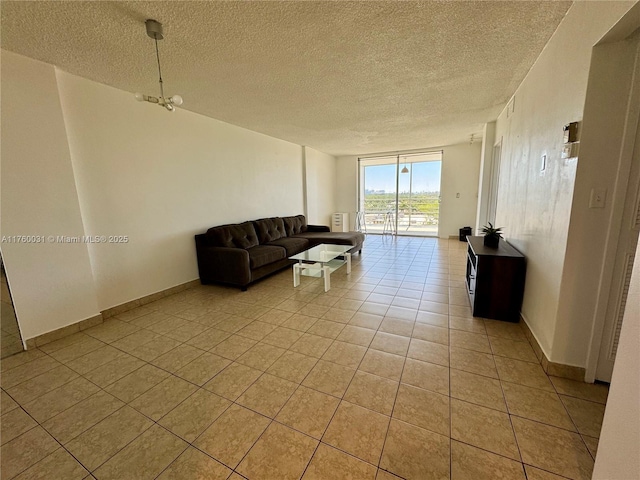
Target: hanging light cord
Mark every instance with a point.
(154, 30)
(159, 70)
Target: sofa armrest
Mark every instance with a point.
(223, 264)
(318, 228)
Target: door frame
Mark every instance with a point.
(615, 302)
(494, 182)
(629, 152)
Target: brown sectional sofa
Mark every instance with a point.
(239, 254)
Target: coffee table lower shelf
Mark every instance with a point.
(320, 269)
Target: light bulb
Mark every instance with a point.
(139, 97)
(176, 100)
(170, 107)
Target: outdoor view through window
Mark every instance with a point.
(401, 194)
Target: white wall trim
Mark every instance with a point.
(305, 187)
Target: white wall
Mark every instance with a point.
(459, 188)
(83, 158)
(618, 450)
(51, 283)
(460, 170)
(347, 187)
(320, 171)
(161, 177)
(535, 208)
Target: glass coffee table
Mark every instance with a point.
(321, 261)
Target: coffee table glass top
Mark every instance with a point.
(322, 253)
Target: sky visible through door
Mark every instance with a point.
(401, 188)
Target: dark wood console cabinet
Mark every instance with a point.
(495, 280)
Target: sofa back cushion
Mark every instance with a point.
(239, 235)
(295, 225)
(269, 229)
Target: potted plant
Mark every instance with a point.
(492, 236)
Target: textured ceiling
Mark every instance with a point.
(343, 77)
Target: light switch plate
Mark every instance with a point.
(570, 150)
(598, 198)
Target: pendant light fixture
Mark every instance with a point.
(154, 30)
(405, 169)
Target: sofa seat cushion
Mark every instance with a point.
(293, 245)
(336, 238)
(295, 225)
(239, 235)
(261, 255)
(269, 229)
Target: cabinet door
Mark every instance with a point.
(471, 279)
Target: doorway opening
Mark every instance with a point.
(400, 194)
(620, 59)
(495, 178)
(10, 339)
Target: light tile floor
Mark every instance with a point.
(385, 376)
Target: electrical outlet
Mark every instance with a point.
(598, 198)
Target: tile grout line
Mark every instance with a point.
(299, 385)
(124, 404)
(342, 399)
(272, 420)
(450, 397)
(380, 280)
(38, 424)
(564, 406)
(331, 419)
(404, 362)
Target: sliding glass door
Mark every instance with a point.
(401, 194)
(379, 188)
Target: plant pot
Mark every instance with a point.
(491, 241)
